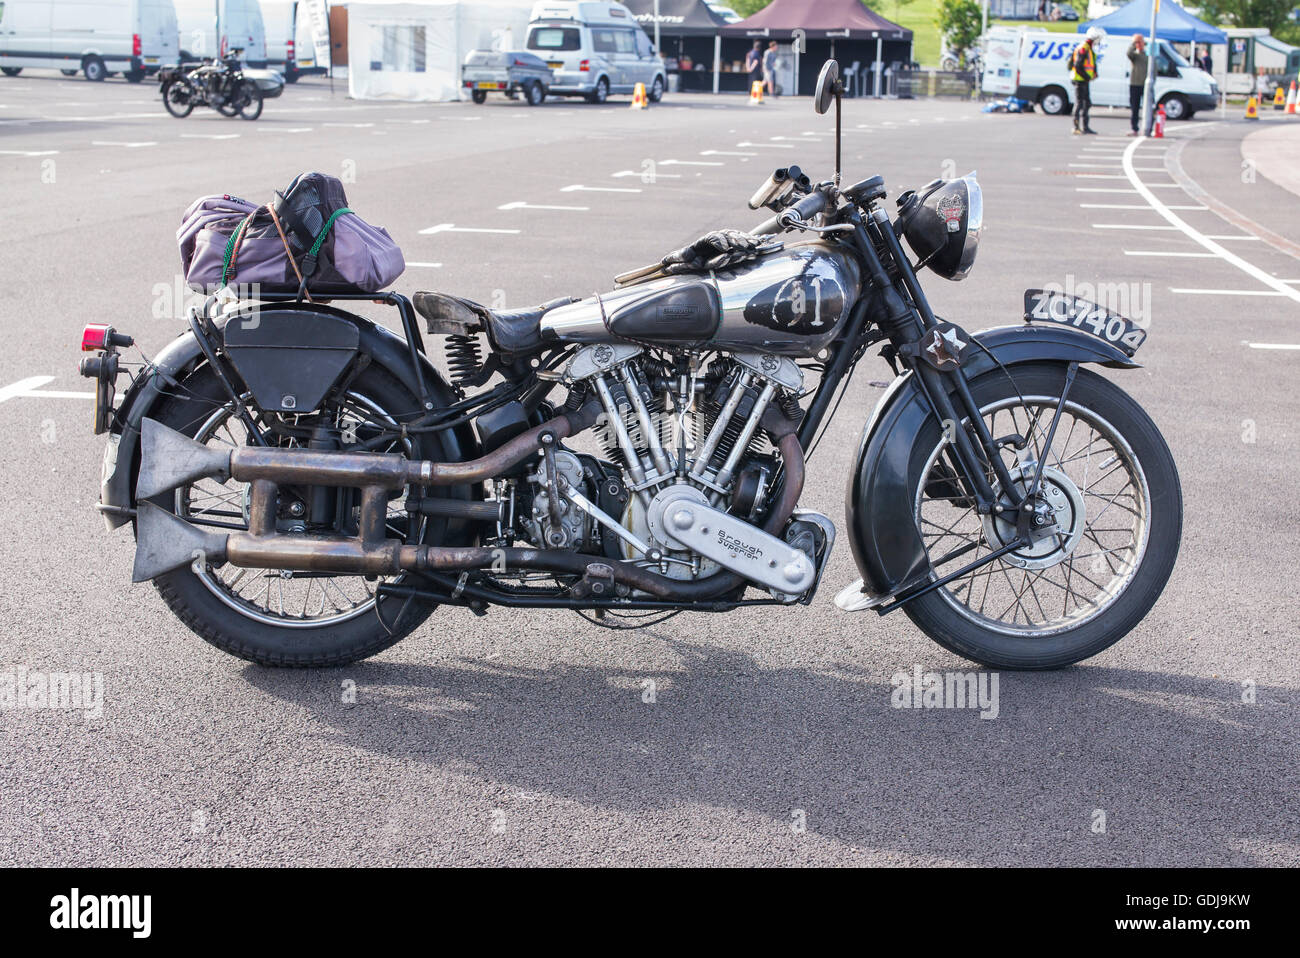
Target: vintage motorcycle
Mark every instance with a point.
(220, 84)
(306, 488)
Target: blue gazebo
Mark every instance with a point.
(1173, 23)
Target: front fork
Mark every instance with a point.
(976, 458)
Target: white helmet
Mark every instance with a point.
(1095, 33)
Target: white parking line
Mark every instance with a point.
(209, 136)
(1130, 226)
(30, 388)
(426, 265)
(128, 145)
(653, 176)
(357, 126)
(770, 146)
(1274, 345)
(521, 205)
(1239, 237)
(1228, 292)
(725, 153)
(28, 152)
(284, 129)
(1160, 252)
(579, 188)
(1104, 189)
(1132, 206)
(689, 163)
(453, 228)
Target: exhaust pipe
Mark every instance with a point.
(170, 459)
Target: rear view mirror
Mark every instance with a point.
(828, 86)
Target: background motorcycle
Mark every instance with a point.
(306, 488)
(220, 84)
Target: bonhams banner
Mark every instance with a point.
(320, 30)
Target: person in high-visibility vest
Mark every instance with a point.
(1083, 70)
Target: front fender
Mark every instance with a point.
(882, 531)
(182, 355)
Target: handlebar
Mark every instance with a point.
(805, 209)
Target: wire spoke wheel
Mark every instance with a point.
(1097, 493)
(284, 597)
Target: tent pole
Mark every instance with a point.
(880, 48)
(1148, 97)
(717, 60)
(657, 47)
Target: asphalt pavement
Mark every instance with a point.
(527, 737)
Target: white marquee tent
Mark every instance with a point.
(413, 51)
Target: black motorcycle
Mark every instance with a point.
(220, 84)
(306, 488)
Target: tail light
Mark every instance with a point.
(289, 51)
(98, 336)
(585, 66)
(136, 49)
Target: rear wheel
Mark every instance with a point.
(1054, 101)
(178, 98)
(601, 93)
(1112, 519)
(534, 93)
(478, 96)
(249, 101)
(14, 71)
(94, 69)
(134, 76)
(285, 618)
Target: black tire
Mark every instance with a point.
(1176, 107)
(240, 633)
(177, 98)
(1054, 101)
(656, 90)
(68, 73)
(94, 69)
(14, 71)
(534, 93)
(937, 614)
(478, 96)
(250, 101)
(601, 93)
(134, 76)
(291, 76)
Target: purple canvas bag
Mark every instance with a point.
(306, 241)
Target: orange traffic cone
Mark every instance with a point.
(1291, 99)
(1279, 98)
(639, 101)
(1252, 109)
(1159, 131)
(756, 93)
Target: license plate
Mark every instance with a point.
(1050, 306)
(555, 64)
(150, 59)
(486, 86)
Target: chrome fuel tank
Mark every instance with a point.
(792, 302)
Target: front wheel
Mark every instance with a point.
(14, 71)
(1176, 107)
(478, 96)
(601, 93)
(535, 93)
(178, 98)
(1054, 101)
(1111, 519)
(249, 101)
(656, 90)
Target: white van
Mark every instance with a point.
(1033, 64)
(289, 45)
(595, 49)
(241, 28)
(96, 37)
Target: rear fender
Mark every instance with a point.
(886, 544)
(183, 354)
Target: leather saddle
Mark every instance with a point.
(509, 330)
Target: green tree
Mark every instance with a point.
(1248, 13)
(747, 8)
(959, 23)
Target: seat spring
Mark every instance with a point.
(464, 358)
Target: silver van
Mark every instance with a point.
(595, 49)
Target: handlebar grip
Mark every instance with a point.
(805, 209)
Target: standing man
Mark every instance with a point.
(1137, 80)
(769, 68)
(1083, 70)
(754, 63)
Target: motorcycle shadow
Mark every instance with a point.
(1182, 770)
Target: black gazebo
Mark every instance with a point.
(691, 36)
